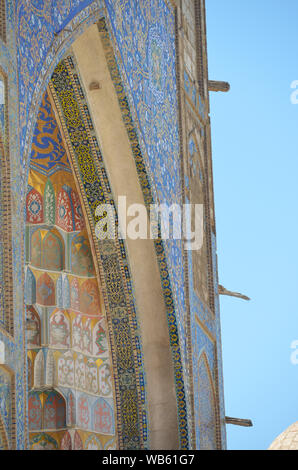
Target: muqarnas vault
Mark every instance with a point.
(105, 344)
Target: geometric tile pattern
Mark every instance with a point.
(159, 244)
(48, 154)
(64, 304)
(86, 156)
(27, 57)
(147, 66)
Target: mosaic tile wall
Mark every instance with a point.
(3, 138)
(143, 34)
(178, 341)
(207, 423)
(156, 46)
(67, 341)
(142, 26)
(11, 330)
(112, 260)
(149, 29)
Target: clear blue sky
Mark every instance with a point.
(253, 45)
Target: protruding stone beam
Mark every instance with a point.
(223, 291)
(246, 423)
(214, 85)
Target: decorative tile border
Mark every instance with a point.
(159, 245)
(125, 341)
(77, 16)
(12, 334)
(156, 135)
(6, 294)
(203, 313)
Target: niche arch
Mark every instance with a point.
(152, 349)
(207, 405)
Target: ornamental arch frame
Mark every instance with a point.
(160, 360)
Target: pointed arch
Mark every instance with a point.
(53, 251)
(121, 307)
(197, 195)
(207, 405)
(81, 256)
(34, 207)
(116, 278)
(45, 291)
(79, 19)
(34, 411)
(39, 370)
(64, 218)
(111, 445)
(30, 288)
(103, 417)
(60, 329)
(150, 259)
(54, 413)
(93, 443)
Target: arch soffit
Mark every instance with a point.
(153, 414)
(152, 314)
